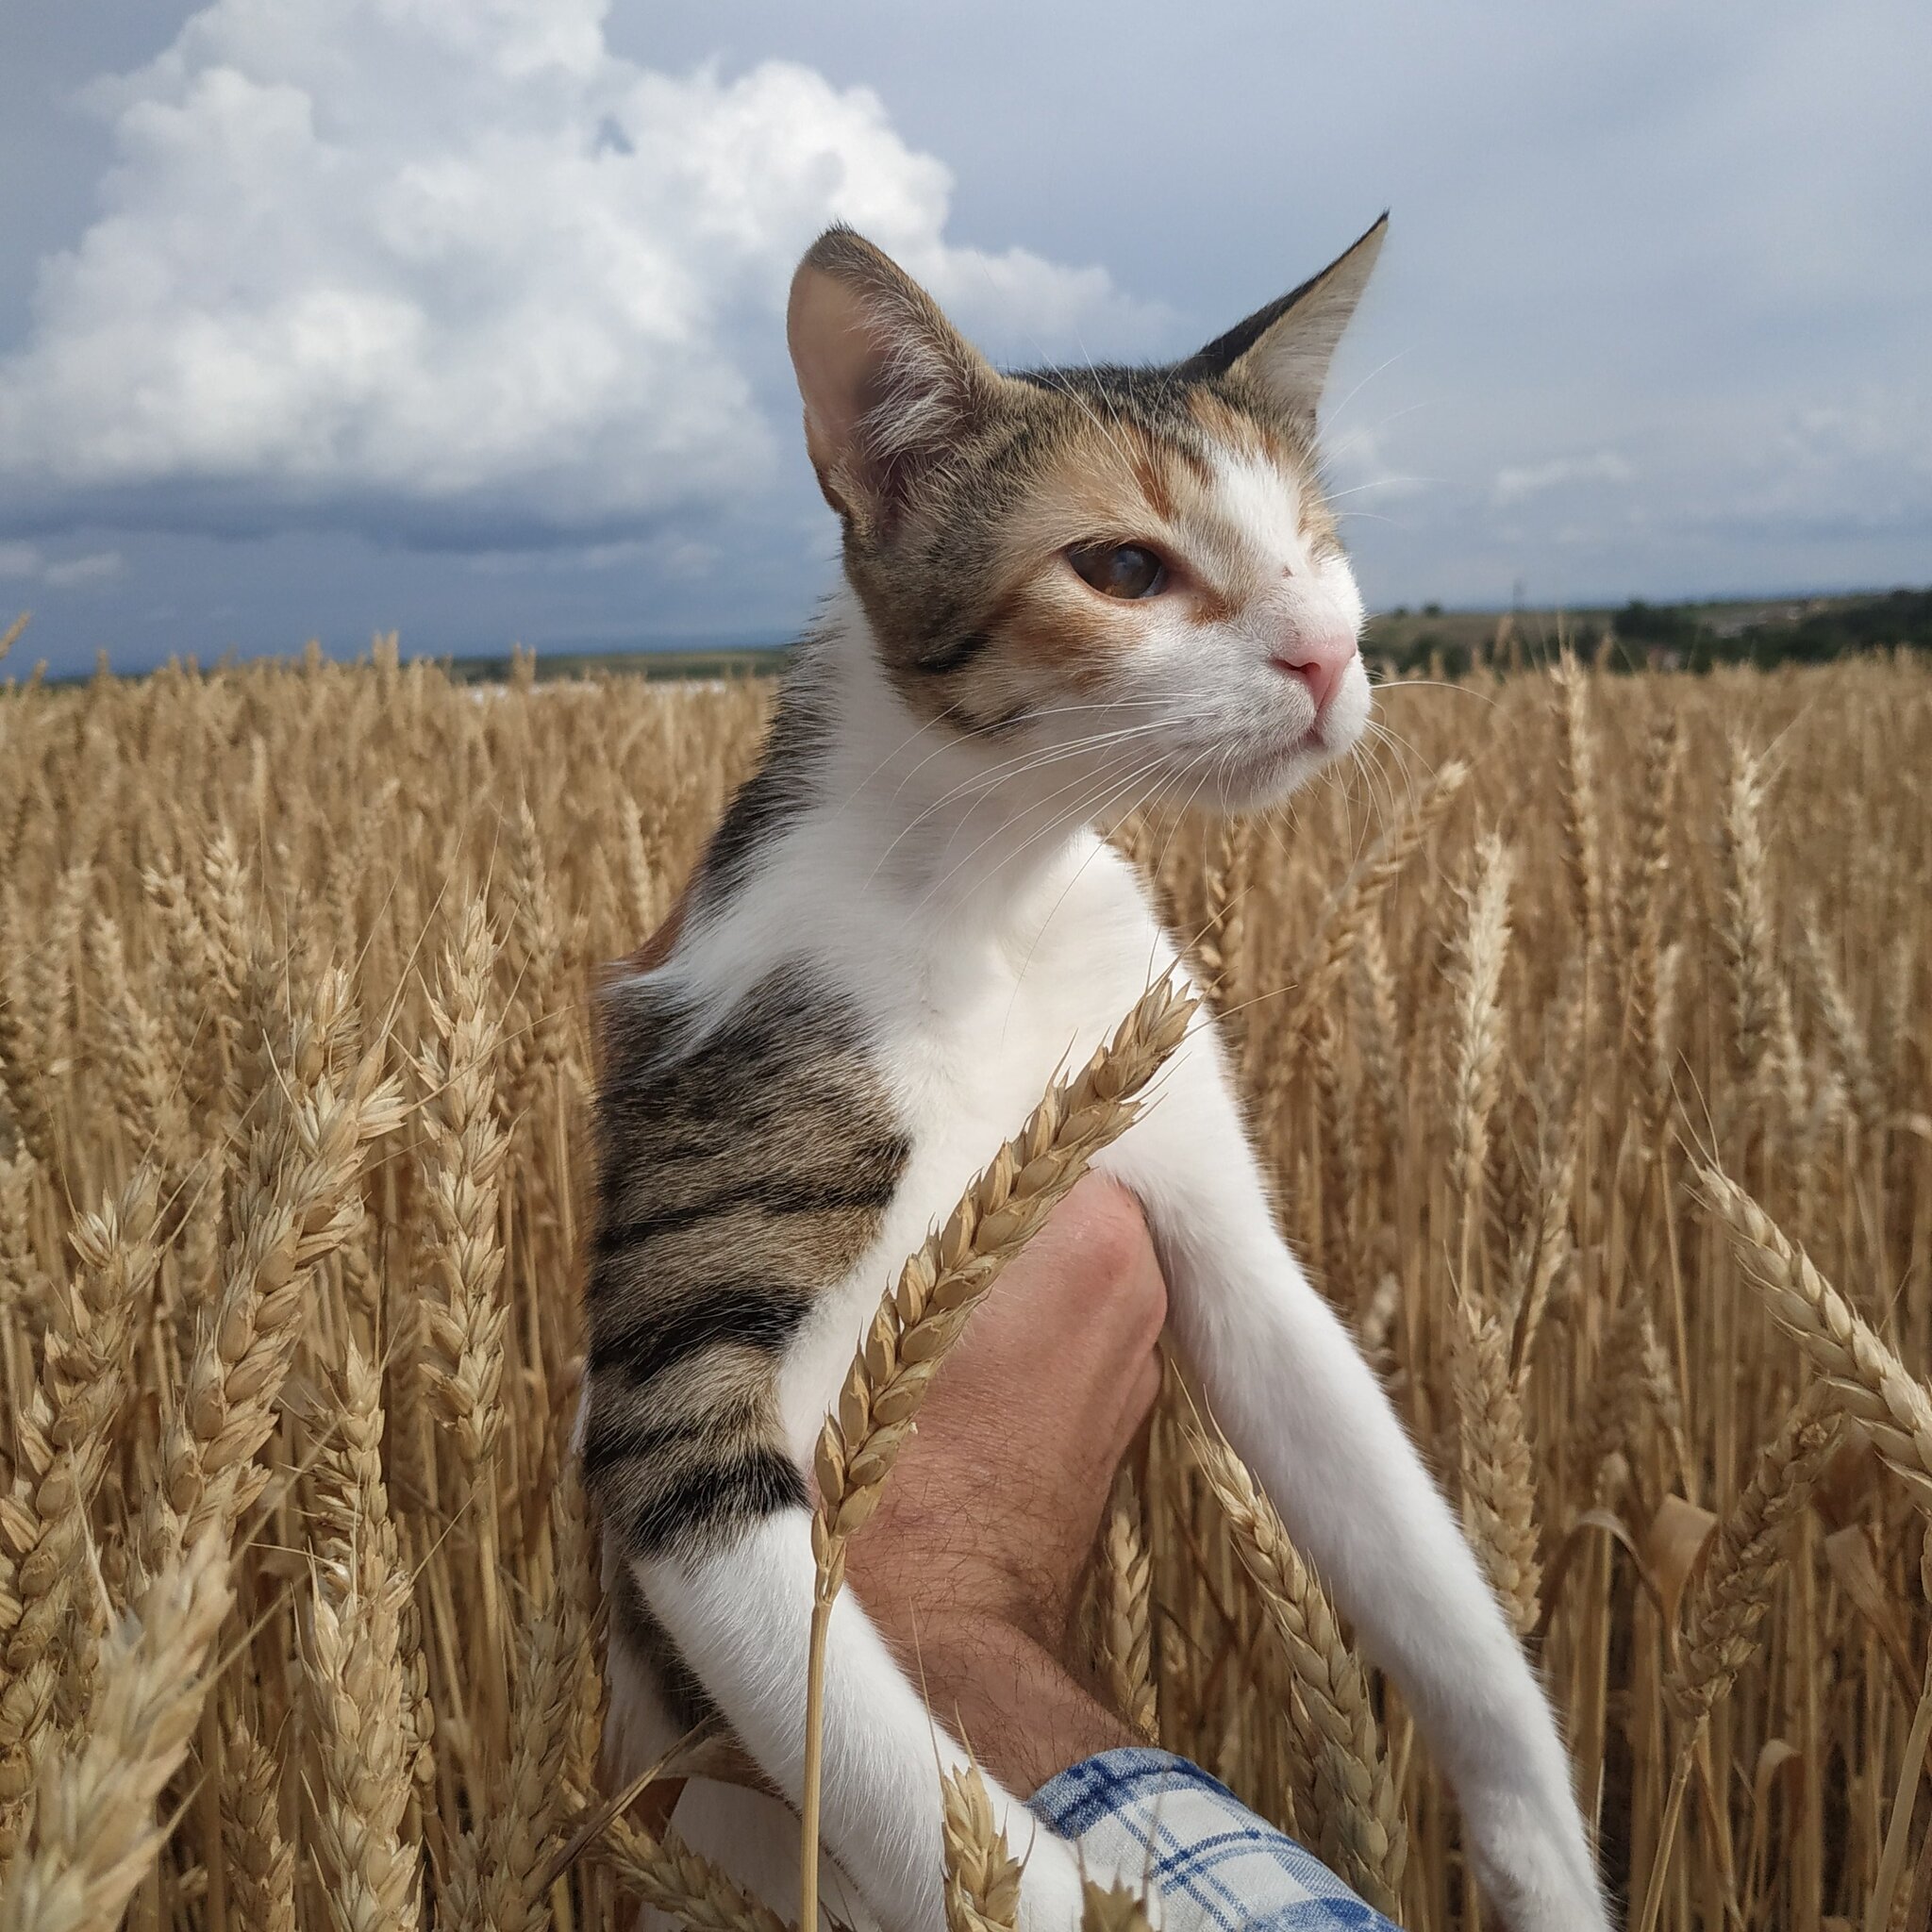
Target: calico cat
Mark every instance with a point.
(1068, 591)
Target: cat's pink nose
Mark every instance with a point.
(1319, 659)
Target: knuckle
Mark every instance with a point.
(1122, 1270)
(1115, 1234)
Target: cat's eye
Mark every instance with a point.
(1120, 570)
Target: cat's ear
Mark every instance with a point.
(1286, 348)
(889, 384)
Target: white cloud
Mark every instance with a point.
(29, 561)
(453, 271)
(1604, 466)
(96, 567)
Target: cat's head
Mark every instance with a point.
(1133, 570)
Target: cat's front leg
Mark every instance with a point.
(1287, 1384)
(739, 1615)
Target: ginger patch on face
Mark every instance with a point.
(1221, 496)
(1099, 482)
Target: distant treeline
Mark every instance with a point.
(1642, 636)
(1849, 624)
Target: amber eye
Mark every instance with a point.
(1119, 570)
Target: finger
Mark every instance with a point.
(1143, 1391)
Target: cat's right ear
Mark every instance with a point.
(889, 384)
(1286, 348)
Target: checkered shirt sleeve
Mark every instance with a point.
(1210, 1864)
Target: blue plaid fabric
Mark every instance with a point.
(1210, 1864)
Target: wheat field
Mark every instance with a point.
(1584, 1022)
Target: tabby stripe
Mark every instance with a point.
(622, 1432)
(775, 1194)
(760, 1313)
(757, 1482)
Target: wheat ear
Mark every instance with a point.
(1729, 1601)
(1623, 1379)
(500, 1864)
(1733, 1590)
(138, 1055)
(296, 1205)
(1111, 1908)
(1221, 948)
(1358, 899)
(1127, 1611)
(1476, 977)
(352, 1502)
(352, 1661)
(95, 1832)
(1582, 853)
(982, 1888)
(261, 1863)
(1851, 1053)
(939, 1288)
(22, 1071)
(1361, 1830)
(1762, 1040)
(463, 1324)
(1868, 1381)
(61, 1450)
(1498, 1471)
(1640, 917)
(665, 1872)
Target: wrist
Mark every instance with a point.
(1012, 1704)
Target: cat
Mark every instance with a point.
(1066, 591)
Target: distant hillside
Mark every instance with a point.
(752, 660)
(1762, 631)
(1693, 637)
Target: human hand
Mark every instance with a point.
(971, 1564)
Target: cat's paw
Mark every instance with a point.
(1050, 1899)
(1052, 1896)
(1534, 1865)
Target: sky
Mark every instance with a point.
(464, 318)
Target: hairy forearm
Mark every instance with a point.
(1010, 1702)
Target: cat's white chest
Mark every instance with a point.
(967, 1047)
